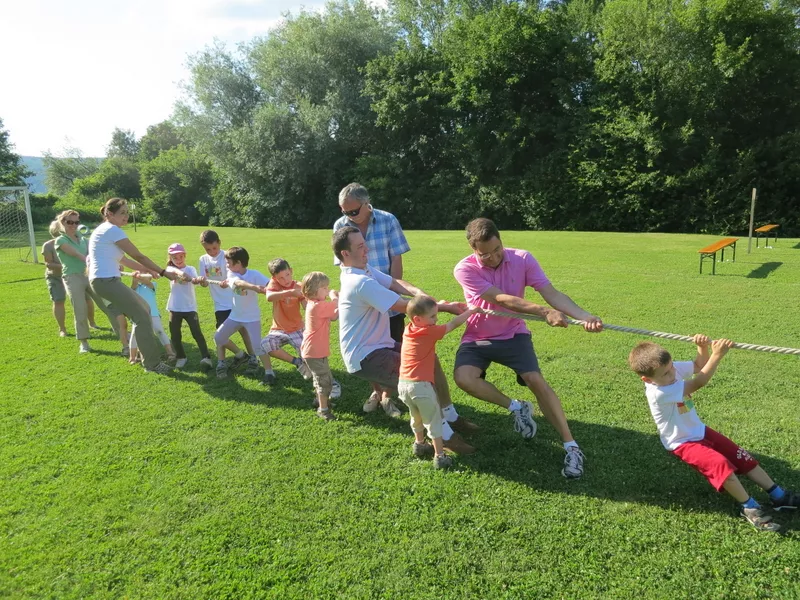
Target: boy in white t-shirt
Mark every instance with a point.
(213, 268)
(669, 387)
(246, 284)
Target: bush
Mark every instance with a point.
(43, 207)
(89, 210)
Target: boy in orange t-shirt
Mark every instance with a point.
(287, 320)
(415, 386)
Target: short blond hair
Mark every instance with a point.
(312, 282)
(646, 357)
(420, 305)
(54, 229)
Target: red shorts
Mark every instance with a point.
(716, 457)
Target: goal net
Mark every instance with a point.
(17, 241)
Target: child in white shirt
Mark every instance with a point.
(182, 306)
(213, 268)
(669, 387)
(246, 284)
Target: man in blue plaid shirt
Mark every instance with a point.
(386, 242)
(386, 245)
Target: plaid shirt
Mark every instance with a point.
(385, 239)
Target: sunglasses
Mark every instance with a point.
(72, 222)
(352, 213)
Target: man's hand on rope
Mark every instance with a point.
(454, 308)
(593, 324)
(555, 318)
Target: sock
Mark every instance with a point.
(515, 405)
(572, 444)
(447, 431)
(776, 492)
(269, 372)
(297, 361)
(450, 413)
(240, 354)
(750, 503)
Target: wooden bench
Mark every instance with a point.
(767, 230)
(711, 250)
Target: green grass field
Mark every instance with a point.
(118, 483)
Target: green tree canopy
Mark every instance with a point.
(12, 170)
(177, 186)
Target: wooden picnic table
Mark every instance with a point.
(711, 250)
(767, 230)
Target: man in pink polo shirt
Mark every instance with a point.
(495, 278)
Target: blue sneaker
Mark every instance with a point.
(790, 501)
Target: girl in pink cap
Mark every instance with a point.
(182, 306)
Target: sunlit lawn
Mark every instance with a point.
(117, 483)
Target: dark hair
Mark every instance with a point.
(112, 206)
(209, 236)
(645, 358)
(341, 240)
(277, 265)
(237, 254)
(481, 230)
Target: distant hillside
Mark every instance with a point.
(36, 183)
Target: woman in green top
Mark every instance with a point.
(72, 249)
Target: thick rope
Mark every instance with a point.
(658, 334)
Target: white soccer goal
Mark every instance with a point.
(17, 241)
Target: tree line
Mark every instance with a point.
(581, 114)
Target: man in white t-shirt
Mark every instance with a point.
(669, 387)
(368, 350)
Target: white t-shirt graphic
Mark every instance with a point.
(217, 269)
(245, 302)
(675, 416)
(181, 293)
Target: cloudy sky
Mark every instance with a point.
(73, 71)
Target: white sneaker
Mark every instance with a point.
(372, 403)
(206, 364)
(84, 348)
(573, 463)
(336, 390)
(180, 363)
(389, 408)
(523, 420)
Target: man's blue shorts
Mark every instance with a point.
(516, 353)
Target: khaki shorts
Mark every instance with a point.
(55, 285)
(420, 397)
(321, 371)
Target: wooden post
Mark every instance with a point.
(752, 216)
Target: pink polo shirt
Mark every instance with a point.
(517, 271)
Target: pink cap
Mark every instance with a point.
(176, 249)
